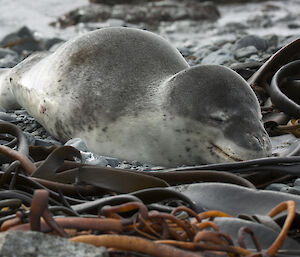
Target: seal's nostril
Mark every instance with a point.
(260, 141)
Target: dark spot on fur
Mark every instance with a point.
(59, 80)
(10, 79)
(187, 149)
(104, 129)
(43, 109)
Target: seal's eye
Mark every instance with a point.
(218, 116)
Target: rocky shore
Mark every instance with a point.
(204, 34)
(239, 35)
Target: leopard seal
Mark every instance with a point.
(130, 94)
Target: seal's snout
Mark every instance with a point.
(261, 143)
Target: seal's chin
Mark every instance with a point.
(223, 154)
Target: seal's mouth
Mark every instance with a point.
(219, 151)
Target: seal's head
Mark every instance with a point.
(219, 114)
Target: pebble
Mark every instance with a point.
(292, 190)
(276, 187)
(219, 57)
(245, 52)
(297, 182)
(6, 51)
(78, 143)
(37, 244)
(93, 159)
(252, 40)
(21, 40)
(9, 61)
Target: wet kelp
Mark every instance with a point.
(207, 210)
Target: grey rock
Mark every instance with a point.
(8, 117)
(116, 22)
(35, 244)
(292, 190)
(252, 40)
(115, 2)
(270, 7)
(293, 25)
(297, 182)
(20, 112)
(6, 51)
(30, 138)
(9, 61)
(272, 40)
(93, 159)
(125, 166)
(276, 187)
(55, 46)
(220, 57)
(22, 40)
(287, 40)
(233, 27)
(260, 21)
(202, 53)
(78, 143)
(113, 162)
(184, 51)
(46, 142)
(144, 12)
(245, 52)
(47, 43)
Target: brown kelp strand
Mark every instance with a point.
(132, 227)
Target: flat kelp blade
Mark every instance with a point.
(233, 199)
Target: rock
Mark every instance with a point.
(93, 159)
(8, 117)
(22, 40)
(202, 53)
(113, 162)
(184, 51)
(260, 21)
(35, 244)
(115, 2)
(272, 40)
(9, 61)
(297, 182)
(293, 25)
(125, 166)
(116, 23)
(144, 12)
(252, 40)
(48, 43)
(233, 27)
(46, 142)
(220, 57)
(245, 52)
(6, 51)
(30, 138)
(269, 8)
(291, 190)
(78, 143)
(276, 187)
